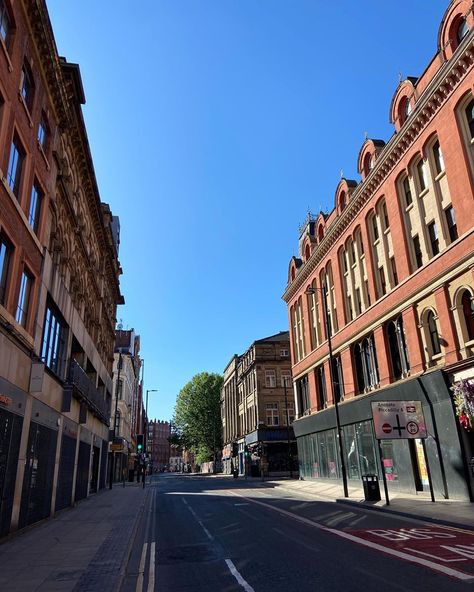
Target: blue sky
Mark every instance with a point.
(214, 125)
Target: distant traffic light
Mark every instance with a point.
(246, 450)
(140, 438)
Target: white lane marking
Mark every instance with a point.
(141, 569)
(434, 556)
(244, 504)
(151, 573)
(233, 570)
(209, 535)
(345, 535)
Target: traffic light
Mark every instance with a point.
(246, 451)
(139, 443)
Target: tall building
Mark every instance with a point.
(257, 409)
(159, 433)
(394, 262)
(126, 394)
(59, 285)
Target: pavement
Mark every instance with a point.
(86, 548)
(82, 549)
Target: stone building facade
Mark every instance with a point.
(257, 409)
(395, 261)
(59, 283)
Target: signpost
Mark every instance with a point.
(400, 420)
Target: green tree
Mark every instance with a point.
(197, 415)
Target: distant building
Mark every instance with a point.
(126, 399)
(159, 433)
(387, 275)
(257, 409)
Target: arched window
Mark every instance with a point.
(307, 252)
(293, 274)
(365, 359)
(433, 333)
(398, 348)
(320, 233)
(321, 386)
(342, 201)
(469, 112)
(462, 30)
(468, 312)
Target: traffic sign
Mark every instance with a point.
(396, 420)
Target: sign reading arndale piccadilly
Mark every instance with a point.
(395, 420)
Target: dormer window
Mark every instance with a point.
(462, 30)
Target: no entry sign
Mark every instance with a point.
(394, 420)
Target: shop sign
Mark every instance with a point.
(36, 377)
(397, 420)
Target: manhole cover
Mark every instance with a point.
(187, 554)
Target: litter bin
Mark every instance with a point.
(371, 488)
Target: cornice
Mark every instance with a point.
(444, 83)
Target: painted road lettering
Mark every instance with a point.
(442, 545)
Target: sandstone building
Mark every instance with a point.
(59, 283)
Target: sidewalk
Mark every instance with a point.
(449, 512)
(83, 549)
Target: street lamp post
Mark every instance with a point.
(112, 457)
(335, 398)
(290, 456)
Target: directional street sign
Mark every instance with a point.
(395, 420)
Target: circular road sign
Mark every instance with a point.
(412, 428)
(386, 428)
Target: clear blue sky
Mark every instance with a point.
(214, 125)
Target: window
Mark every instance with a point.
(358, 302)
(463, 30)
(43, 133)
(407, 192)
(270, 380)
(418, 253)
(434, 240)
(433, 333)
(303, 395)
(27, 87)
(352, 252)
(366, 364)
(385, 216)
(408, 107)
(438, 158)
(337, 380)
(344, 261)
(5, 25)
(36, 200)
(289, 413)
(273, 417)
(53, 346)
(383, 284)
(469, 111)
(284, 353)
(398, 348)
(394, 271)
(119, 389)
(451, 222)
(420, 167)
(15, 165)
(286, 378)
(375, 229)
(24, 298)
(468, 311)
(5, 258)
(321, 386)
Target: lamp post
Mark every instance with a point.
(335, 398)
(112, 458)
(290, 456)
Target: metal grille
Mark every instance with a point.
(66, 472)
(10, 435)
(82, 478)
(39, 471)
(103, 464)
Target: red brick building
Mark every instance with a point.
(395, 259)
(158, 443)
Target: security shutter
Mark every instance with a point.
(66, 472)
(10, 435)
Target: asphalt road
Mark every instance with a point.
(216, 534)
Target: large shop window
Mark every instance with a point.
(398, 348)
(365, 358)
(53, 347)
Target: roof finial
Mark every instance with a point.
(366, 136)
(400, 77)
(342, 173)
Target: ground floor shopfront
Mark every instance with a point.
(47, 461)
(404, 462)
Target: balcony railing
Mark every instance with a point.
(85, 391)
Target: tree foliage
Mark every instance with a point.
(197, 416)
